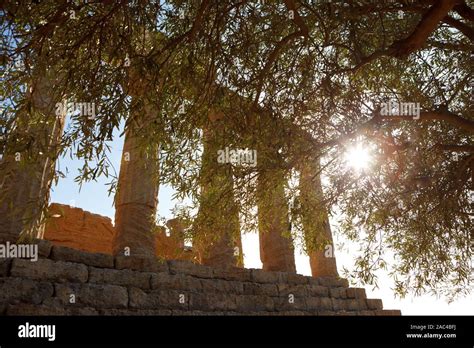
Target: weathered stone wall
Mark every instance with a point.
(172, 247)
(66, 281)
(80, 229)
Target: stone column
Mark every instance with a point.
(218, 240)
(177, 227)
(27, 165)
(172, 246)
(136, 200)
(276, 244)
(315, 221)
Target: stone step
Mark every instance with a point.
(65, 281)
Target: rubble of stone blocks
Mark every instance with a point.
(66, 281)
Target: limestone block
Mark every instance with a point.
(187, 267)
(51, 306)
(260, 289)
(338, 292)
(159, 299)
(5, 265)
(313, 303)
(292, 313)
(135, 312)
(141, 263)
(251, 288)
(92, 295)
(194, 313)
(212, 302)
(261, 276)
(27, 309)
(317, 290)
(296, 290)
(44, 247)
(46, 269)
(326, 303)
(333, 282)
(84, 311)
(285, 303)
(374, 304)
(123, 277)
(24, 290)
(293, 278)
(222, 286)
(339, 304)
(355, 304)
(60, 253)
(233, 287)
(234, 273)
(356, 293)
(178, 282)
(248, 303)
(388, 312)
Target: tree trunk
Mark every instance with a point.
(315, 220)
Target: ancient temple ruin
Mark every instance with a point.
(129, 268)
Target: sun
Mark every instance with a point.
(358, 157)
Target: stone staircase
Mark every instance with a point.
(65, 281)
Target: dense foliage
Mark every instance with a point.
(308, 78)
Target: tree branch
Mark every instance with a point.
(291, 6)
(439, 115)
(416, 40)
(423, 30)
(463, 28)
(465, 11)
(271, 59)
(455, 148)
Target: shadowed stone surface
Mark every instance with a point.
(141, 263)
(48, 269)
(24, 290)
(73, 255)
(315, 220)
(276, 245)
(93, 295)
(5, 267)
(218, 241)
(146, 286)
(26, 175)
(124, 277)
